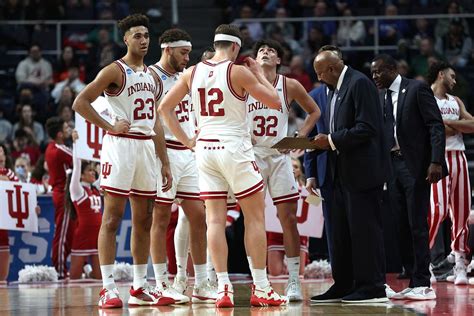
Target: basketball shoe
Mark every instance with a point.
(225, 298)
(169, 291)
(147, 296)
(109, 299)
(266, 297)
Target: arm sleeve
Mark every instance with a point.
(75, 188)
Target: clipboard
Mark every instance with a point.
(295, 143)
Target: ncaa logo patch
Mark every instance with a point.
(163, 77)
(129, 71)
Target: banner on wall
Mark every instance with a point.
(89, 144)
(17, 206)
(310, 217)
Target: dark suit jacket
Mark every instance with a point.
(420, 128)
(315, 161)
(360, 161)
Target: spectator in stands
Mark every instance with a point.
(315, 40)
(423, 30)
(329, 28)
(5, 128)
(247, 41)
(403, 68)
(119, 8)
(24, 145)
(39, 177)
(297, 71)
(6, 165)
(456, 45)
(350, 32)
(277, 35)
(442, 25)
(72, 81)
(391, 31)
(79, 10)
(255, 28)
(426, 56)
(102, 53)
(68, 58)
(23, 168)
(66, 114)
(26, 122)
(35, 73)
(287, 29)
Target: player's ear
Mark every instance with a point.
(278, 61)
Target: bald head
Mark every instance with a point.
(328, 66)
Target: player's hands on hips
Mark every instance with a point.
(253, 66)
(167, 177)
(435, 173)
(121, 126)
(191, 143)
(75, 136)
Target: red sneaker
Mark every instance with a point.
(225, 298)
(109, 299)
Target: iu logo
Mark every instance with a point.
(17, 212)
(106, 168)
(94, 139)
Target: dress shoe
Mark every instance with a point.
(333, 295)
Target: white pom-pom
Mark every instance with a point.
(123, 271)
(318, 269)
(33, 274)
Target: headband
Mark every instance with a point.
(229, 38)
(180, 43)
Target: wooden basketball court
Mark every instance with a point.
(81, 299)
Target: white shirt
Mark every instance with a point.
(395, 88)
(333, 103)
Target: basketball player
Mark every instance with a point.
(58, 157)
(128, 159)
(175, 48)
(453, 193)
(224, 154)
(267, 128)
(83, 199)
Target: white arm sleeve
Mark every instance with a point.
(75, 188)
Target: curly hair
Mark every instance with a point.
(434, 70)
(174, 35)
(130, 21)
(270, 43)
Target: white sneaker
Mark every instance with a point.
(461, 274)
(180, 284)
(167, 290)
(470, 267)
(389, 291)
(471, 281)
(262, 297)
(432, 277)
(400, 295)
(293, 290)
(204, 294)
(450, 278)
(421, 293)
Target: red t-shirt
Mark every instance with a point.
(59, 159)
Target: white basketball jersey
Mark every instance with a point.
(135, 100)
(220, 112)
(268, 126)
(182, 110)
(450, 110)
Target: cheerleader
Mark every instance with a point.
(84, 202)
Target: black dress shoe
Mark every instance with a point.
(363, 297)
(333, 295)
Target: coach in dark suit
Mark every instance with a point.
(315, 163)
(357, 163)
(415, 138)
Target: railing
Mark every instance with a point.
(59, 25)
(376, 47)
